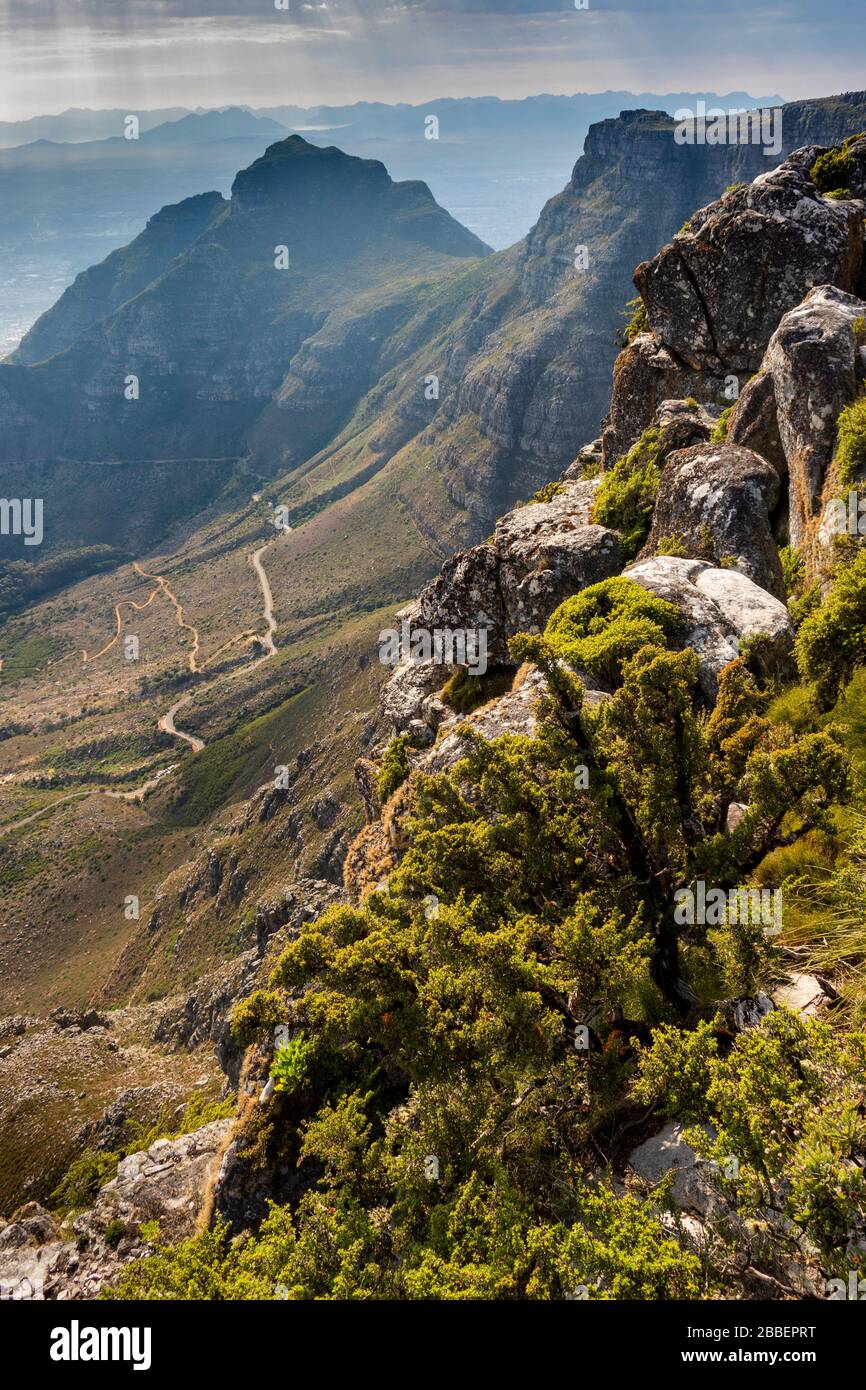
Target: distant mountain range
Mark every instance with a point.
(73, 187)
(466, 116)
(233, 358)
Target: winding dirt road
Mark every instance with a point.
(166, 722)
(268, 597)
(166, 725)
(134, 794)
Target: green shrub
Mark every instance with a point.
(465, 692)
(850, 455)
(786, 1103)
(793, 570)
(832, 171)
(601, 628)
(260, 1012)
(395, 766)
(720, 433)
(638, 321)
(482, 1243)
(831, 641)
(805, 603)
(671, 545)
(627, 492)
(445, 1016)
(546, 493)
(79, 1187)
(114, 1232)
(290, 1066)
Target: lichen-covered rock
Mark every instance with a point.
(539, 554)
(646, 375)
(715, 294)
(719, 497)
(753, 423)
(683, 423)
(589, 461)
(167, 1183)
(721, 607)
(405, 695)
(512, 713)
(816, 365)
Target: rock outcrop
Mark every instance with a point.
(720, 498)
(759, 284)
(538, 555)
(721, 607)
(813, 367)
(166, 1184)
(715, 294)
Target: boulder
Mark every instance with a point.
(167, 1183)
(512, 713)
(715, 294)
(753, 423)
(683, 423)
(719, 497)
(548, 551)
(588, 462)
(646, 376)
(405, 694)
(816, 366)
(803, 993)
(692, 1189)
(539, 554)
(721, 607)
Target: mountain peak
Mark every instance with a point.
(293, 167)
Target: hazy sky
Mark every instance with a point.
(144, 53)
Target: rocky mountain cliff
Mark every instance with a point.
(235, 358)
(650, 589)
(256, 323)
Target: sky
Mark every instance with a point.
(149, 53)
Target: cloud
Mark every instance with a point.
(188, 52)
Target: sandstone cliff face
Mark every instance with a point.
(234, 357)
(204, 340)
(757, 294)
(97, 292)
(741, 290)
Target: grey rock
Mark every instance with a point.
(722, 494)
(538, 555)
(646, 376)
(753, 423)
(692, 1188)
(805, 994)
(715, 294)
(816, 367)
(721, 607)
(167, 1183)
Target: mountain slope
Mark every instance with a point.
(227, 327)
(97, 292)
